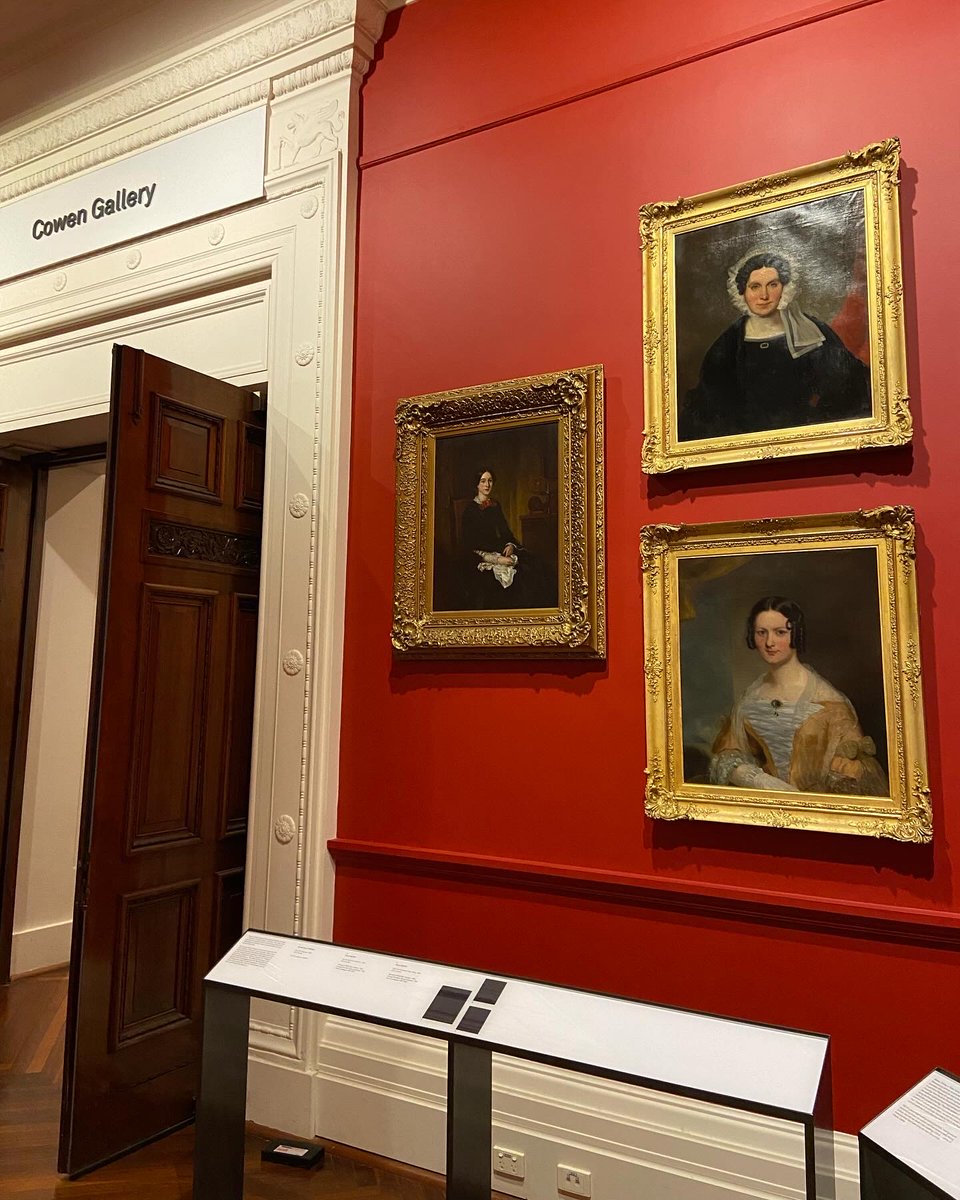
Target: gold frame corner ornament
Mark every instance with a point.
(576, 627)
(873, 170)
(905, 815)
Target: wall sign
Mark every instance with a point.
(202, 172)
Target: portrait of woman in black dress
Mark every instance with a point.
(492, 554)
(776, 366)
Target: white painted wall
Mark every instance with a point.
(58, 718)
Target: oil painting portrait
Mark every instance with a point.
(495, 543)
(783, 680)
(773, 316)
(499, 534)
(772, 327)
(782, 689)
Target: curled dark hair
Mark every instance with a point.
(478, 475)
(786, 608)
(757, 261)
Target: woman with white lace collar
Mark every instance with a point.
(776, 366)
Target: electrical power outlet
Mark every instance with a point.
(511, 1164)
(572, 1181)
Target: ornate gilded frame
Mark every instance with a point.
(906, 814)
(572, 402)
(874, 171)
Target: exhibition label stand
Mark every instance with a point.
(760, 1068)
(911, 1151)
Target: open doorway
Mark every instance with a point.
(165, 785)
(71, 514)
(52, 480)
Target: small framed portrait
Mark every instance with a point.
(783, 682)
(773, 316)
(499, 547)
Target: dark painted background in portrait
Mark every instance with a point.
(823, 239)
(837, 591)
(524, 459)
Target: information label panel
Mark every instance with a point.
(922, 1130)
(757, 1065)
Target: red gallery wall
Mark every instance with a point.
(492, 813)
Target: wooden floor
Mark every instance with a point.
(32, 1013)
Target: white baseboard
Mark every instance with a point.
(280, 1096)
(385, 1092)
(41, 948)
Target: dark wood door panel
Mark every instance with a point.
(174, 664)
(156, 949)
(162, 847)
(188, 449)
(17, 487)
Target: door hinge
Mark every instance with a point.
(82, 897)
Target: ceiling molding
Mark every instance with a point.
(303, 31)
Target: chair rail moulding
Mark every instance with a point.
(719, 901)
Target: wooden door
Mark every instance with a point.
(17, 484)
(162, 833)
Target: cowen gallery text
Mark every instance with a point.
(100, 206)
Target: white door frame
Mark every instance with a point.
(291, 258)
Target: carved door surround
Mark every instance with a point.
(306, 63)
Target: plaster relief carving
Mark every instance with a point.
(292, 662)
(284, 829)
(309, 206)
(316, 72)
(59, 281)
(299, 505)
(215, 234)
(133, 260)
(238, 52)
(308, 134)
(304, 355)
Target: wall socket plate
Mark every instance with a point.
(511, 1164)
(573, 1181)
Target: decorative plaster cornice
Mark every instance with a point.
(317, 72)
(236, 53)
(182, 123)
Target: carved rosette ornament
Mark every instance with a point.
(304, 354)
(59, 281)
(285, 829)
(299, 505)
(133, 260)
(292, 662)
(308, 207)
(215, 233)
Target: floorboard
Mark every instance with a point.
(32, 1016)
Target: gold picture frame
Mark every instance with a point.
(847, 754)
(717, 387)
(519, 570)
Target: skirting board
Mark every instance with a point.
(385, 1092)
(41, 948)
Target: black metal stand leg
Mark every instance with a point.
(221, 1109)
(818, 1141)
(469, 1138)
